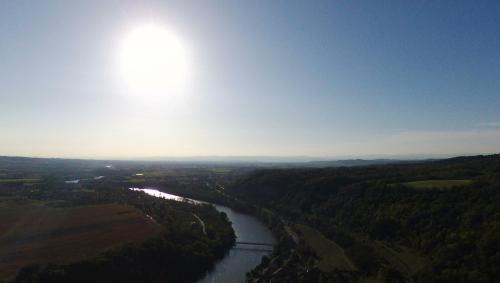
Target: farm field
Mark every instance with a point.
(430, 184)
(34, 232)
(22, 180)
(331, 255)
(405, 260)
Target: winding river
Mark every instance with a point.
(241, 258)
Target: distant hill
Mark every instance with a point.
(255, 161)
(359, 162)
(439, 217)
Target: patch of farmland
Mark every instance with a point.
(331, 256)
(444, 184)
(32, 232)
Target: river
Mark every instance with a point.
(241, 258)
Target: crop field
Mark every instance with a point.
(331, 255)
(444, 184)
(35, 232)
(405, 260)
(22, 180)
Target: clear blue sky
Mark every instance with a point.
(268, 78)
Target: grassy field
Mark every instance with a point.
(405, 260)
(12, 181)
(34, 232)
(331, 255)
(430, 184)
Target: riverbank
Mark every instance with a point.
(240, 259)
(182, 252)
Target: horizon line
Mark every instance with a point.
(259, 158)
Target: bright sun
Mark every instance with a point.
(153, 61)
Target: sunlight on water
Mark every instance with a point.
(158, 194)
(233, 267)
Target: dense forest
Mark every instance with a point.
(390, 226)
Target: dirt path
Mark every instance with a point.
(202, 223)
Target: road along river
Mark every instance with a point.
(242, 258)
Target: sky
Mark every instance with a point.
(266, 78)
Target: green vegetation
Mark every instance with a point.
(439, 184)
(342, 224)
(331, 256)
(100, 231)
(390, 231)
(25, 180)
(400, 257)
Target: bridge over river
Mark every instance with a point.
(254, 246)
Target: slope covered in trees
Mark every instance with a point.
(389, 230)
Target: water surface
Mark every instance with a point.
(241, 258)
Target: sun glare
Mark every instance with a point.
(153, 61)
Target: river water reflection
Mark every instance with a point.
(241, 258)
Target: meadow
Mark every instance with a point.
(331, 256)
(19, 181)
(441, 184)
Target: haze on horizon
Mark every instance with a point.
(249, 78)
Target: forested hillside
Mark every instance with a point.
(435, 221)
